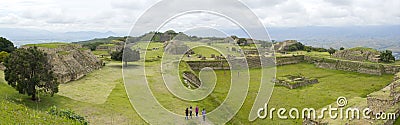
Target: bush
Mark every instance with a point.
(387, 57)
(297, 46)
(6, 45)
(66, 114)
(3, 55)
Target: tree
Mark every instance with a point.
(341, 48)
(331, 51)
(126, 55)
(3, 55)
(234, 37)
(170, 32)
(242, 41)
(29, 72)
(265, 44)
(130, 55)
(295, 47)
(117, 55)
(6, 45)
(386, 56)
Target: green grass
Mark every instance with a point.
(12, 113)
(205, 51)
(48, 45)
(364, 49)
(103, 81)
(63, 52)
(116, 108)
(101, 96)
(332, 84)
(100, 52)
(109, 45)
(397, 122)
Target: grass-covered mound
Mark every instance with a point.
(12, 113)
(48, 45)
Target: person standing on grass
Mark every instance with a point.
(186, 112)
(197, 111)
(204, 114)
(190, 111)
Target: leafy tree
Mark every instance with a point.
(242, 41)
(341, 48)
(6, 45)
(29, 72)
(3, 55)
(265, 44)
(156, 38)
(130, 55)
(126, 55)
(331, 51)
(386, 56)
(234, 37)
(295, 47)
(116, 55)
(170, 32)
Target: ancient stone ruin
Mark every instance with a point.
(191, 79)
(387, 99)
(294, 81)
(71, 61)
(358, 54)
(283, 46)
(176, 47)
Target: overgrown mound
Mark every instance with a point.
(176, 47)
(358, 54)
(12, 113)
(69, 61)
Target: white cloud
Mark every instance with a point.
(119, 15)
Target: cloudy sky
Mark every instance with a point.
(119, 15)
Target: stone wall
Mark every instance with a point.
(289, 60)
(192, 79)
(358, 55)
(327, 63)
(385, 98)
(217, 64)
(240, 62)
(71, 62)
(378, 105)
(353, 66)
(296, 85)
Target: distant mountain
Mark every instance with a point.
(23, 36)
(378, 37)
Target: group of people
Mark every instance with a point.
(189, 112)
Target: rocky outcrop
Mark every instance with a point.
(71, 61)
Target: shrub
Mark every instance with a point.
(3, 55)
(66, 114)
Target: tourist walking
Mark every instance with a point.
(204, 114)
(197, 111)
(190, 111)
(186, 112)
